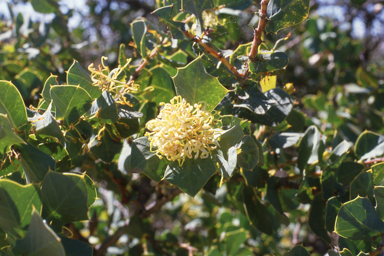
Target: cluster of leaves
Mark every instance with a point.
(273, 161)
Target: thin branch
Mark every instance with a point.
(100, 251)
(374, 161)
(215, 54)
(379, 249)
(156, 205)
(257, 32)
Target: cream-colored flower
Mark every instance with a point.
(109, 80)
(181, 130)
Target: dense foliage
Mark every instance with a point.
(192, 137)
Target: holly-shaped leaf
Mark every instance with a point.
(76, 75)
(46, 125)
(194, 84)
(286, 13)
(71, 102)
(12, 105)
(52, 80)
(191, 176)
(139, 28)
(16, 202)
(358, 220)
(7, 135)
(165, 16)
(65, 198)
(35, 163)
(269, 62)
(40, 240)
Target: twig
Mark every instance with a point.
(156, 205)
(257, 32)
(374, 161)
(215, 54)
(379, 249)
(142, 65)
(100, 251)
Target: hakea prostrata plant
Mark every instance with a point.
(109, 80)
(182, 130)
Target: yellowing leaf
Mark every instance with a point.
(268, 83)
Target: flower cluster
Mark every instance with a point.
(181, 130)
(111, 80)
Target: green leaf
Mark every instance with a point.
(76, 75)
(269, 62)
(259, 215)
(40, 240)
(366, 79)
(122, 56)
(12, 105)
(16, 203)
(74, 247)
(71, 102)
(104, 108)
(46, 126)
(91, 188)
(333, 207)
(269, 108)
(45, 6)
(298, 250)
(249, 155)
(52, 80)
(162, 84)
(241, 51)
(59, 153)
(328, 180)
(285, 140)
(191, 176)
(308, 147)
(379, 196)
(35, 170)
(26, 81)
(145, 161)
(357, 220)
(7, 135)
(362, 186)
(65, 198)
(286, 13)
(369, 145)
(194, 84)
(317, 219)
(139, 29)
(234, 239)
(106, 148)
(273, 194)
(128, 123)
(346, 252)
(348, 171)
(378, 173)
(165, 16)
(339, 153)
(196, 7)
(227, 166)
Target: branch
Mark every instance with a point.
(156, 205)
(257, 32)
(374, 161)
(215, 54)
(100, 251)
(378, 250)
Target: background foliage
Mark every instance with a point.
(298, 169)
